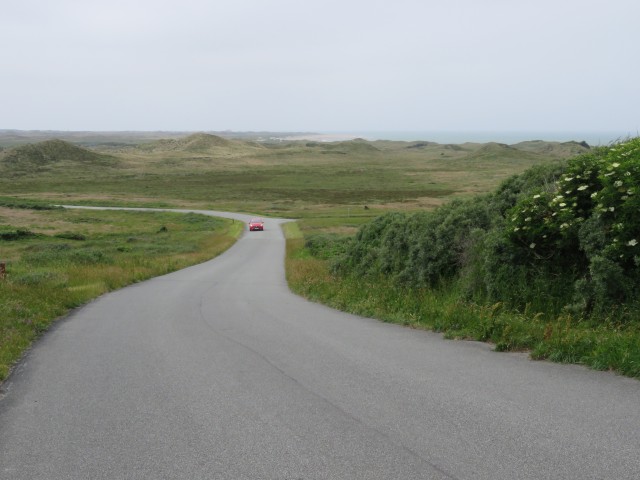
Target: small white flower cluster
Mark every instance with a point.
(601, 186)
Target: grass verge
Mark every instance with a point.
(58, 260)
(564, 339)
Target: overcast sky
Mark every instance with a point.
(320, 65)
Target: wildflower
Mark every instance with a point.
(568, 179)
(533, 245)
(516, 229)
(536, 196)
(618, 183)
(615, 164)
(594, 194)
(528, 219)
(563, 204)
(627, 174)
(564, 225)
(568, 192)
(582, 187)
(612, 209)
(632, 243)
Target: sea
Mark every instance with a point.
(593, 138)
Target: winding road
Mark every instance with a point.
(219, 372)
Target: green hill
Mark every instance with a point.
(556, 149)
(357, 146)
(198, 143)
(52, 154)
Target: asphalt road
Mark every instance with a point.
(219, 372)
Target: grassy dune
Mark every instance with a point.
(296, 179)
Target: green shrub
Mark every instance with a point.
(71, 236)
(563, 236)
(18, 234)
(326, 245)
(587, 223)
(419, 249)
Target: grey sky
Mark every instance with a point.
(322, 65)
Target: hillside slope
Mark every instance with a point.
(203, 143)
(52, 155)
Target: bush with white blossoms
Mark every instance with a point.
(618, 203)
(547, 223)
(587, 222)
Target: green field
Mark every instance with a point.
(294, 179)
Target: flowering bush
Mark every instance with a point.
(588, 219)
(619, 204)
(547, 223)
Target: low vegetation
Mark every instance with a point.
(402, 231)
(59, 259)
(549, 262)
(295, 179)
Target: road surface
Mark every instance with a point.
(219, 372)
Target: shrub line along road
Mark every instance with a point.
(219, 372)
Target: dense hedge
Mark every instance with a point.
(559, 237)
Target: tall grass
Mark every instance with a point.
(48, 274)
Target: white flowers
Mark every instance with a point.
(582, 187)
(536, 196)
(533, 245)
(617, 183)
(632, 243)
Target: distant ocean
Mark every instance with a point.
(592, 138)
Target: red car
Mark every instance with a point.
(256, 224)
